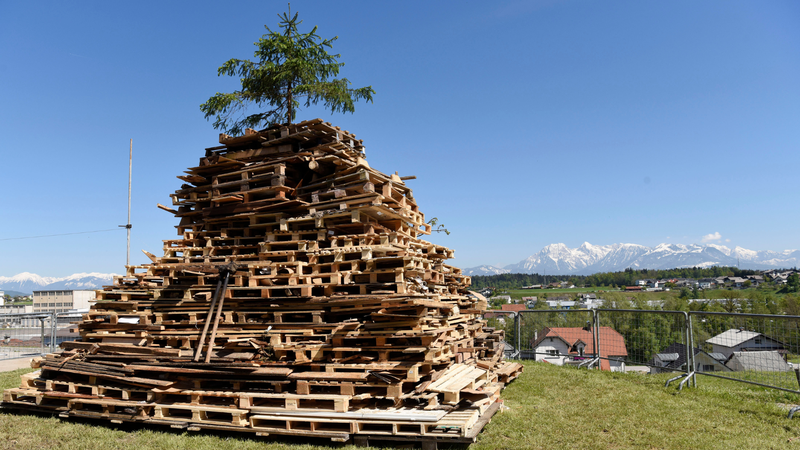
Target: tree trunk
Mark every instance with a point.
(289, 105)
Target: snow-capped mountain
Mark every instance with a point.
(78, 281)
(25, 282)
(558, 259)
(28, 282)
(484, 270)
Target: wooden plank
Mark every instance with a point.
(338, 376)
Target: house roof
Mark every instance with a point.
(613, 342)
(513, 307)
(732, 337)
(718, 356)
(668, 357)
(679, 350)
(498, 314)
(762, 361)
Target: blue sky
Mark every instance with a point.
(526, 122)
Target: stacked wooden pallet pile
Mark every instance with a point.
(299, 299)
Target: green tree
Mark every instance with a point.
(541, 304)
(290, 66)
(793, 283)
(790, 305)
(729, 303)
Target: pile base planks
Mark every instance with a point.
(298, 300)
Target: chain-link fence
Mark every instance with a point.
(752, 348)
(65, 328)
(758, 349)
(35, 334)
(563, 337)
(507, 322)
(644, 340)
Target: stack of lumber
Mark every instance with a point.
(299, 299)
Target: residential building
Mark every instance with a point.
(572, 345)
(503, 298)
(707, 283)
(562, 304)
(62, 301)
(685, 282)
(740, 340)
(592, 303)
(673, 358)
(760, 361)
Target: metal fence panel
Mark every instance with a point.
(752, 348)
(562, 337)
(644, 340)
(25, 335)
(65, 328)
(506, 321)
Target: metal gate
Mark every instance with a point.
(25, 335)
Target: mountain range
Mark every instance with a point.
(554, 259)
(558, 259)
(27, 282)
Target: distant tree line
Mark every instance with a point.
(629, 276)
(626, 277)
(517, 280)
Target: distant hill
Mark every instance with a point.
(14, 293)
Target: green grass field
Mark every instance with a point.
(548, 407)
(517, 294)
(514, 293)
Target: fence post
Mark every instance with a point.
(518, 340)
(596, 328)
(53, 331)
(689, 349)
(691, 343)
(41, 322)
(690, 373)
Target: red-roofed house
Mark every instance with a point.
(564, 345)
(513, 307)
(508, 311)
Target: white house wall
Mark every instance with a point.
(766, 344)
(545, 347)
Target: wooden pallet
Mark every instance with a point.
(200, 414)
(333, 307)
